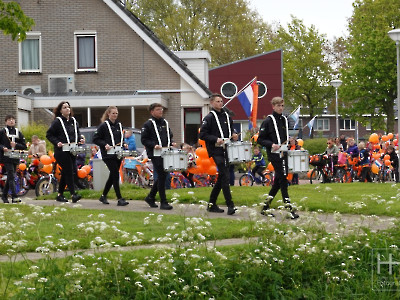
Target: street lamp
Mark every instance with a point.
(336, 83)
(395, 36)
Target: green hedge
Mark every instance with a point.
(315, 146)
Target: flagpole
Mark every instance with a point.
(294, 110)
(309, 121)
(251, 81)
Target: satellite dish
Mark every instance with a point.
(262, 89)
(228, 90)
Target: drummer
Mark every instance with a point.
(156, 135)
(10, 139)
(109, 136)
(217, 128)
(64, 131)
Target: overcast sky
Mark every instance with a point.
(328, 16)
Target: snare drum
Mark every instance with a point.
(69, 147)
(175, 160)
(125, 153)
(16, 154)
(114, 150)
(79, 149)
(239, 152)
(298, 160)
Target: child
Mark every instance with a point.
(395, 161)
(258, 158)
(364, 163)
(190, 153)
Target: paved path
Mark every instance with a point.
(345, 224)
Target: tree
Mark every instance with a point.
(228, 29)
(306, 72)
(13, 20)
(369, 82)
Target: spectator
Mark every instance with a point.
(130, 140)
(38, 147)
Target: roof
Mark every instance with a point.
(119, 7)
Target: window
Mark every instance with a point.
(347, 124)
(321, 124)
(85, 51)
(30, 53)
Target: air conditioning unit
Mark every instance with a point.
(64, 83)
(31, 89)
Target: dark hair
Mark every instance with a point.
(57, 109)
(154, 105)
(8, 117)
(106, 112)
(213, 96)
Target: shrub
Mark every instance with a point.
(38, 129)
(315, 146)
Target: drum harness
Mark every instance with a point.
(112, 135)
(11, 137)
(158, 134)
(65, 130)
(219, 125)
(279, 140)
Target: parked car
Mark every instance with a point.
(88, 132)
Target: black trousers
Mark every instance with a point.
(159, 183)
(113, 165)
(222, 181)
(11, 168)
(67, 162)
(280, 181)
(259, 170)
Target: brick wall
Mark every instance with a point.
(8, 106)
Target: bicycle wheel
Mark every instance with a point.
(45, 186)
(246, 180)
(21, 186)
(316, 175)
(340, 175)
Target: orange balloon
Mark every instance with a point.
(47, 168)
(386, 157)
(206, 164)
(202, 152)
(45, 159)
(385, 138)
(374, 169)
(212, 170)
(192, 170)
(22, 167)
(376, 155)
(390, 136)
(374, 138)
(395, 141)
(198, 161)
(82, 173)
(377, 146)
(50, 153)
(35, 162)
(202, 143)
(388, 163)
(300, 142)
(270, 167)
(88, 168)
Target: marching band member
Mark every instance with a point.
(10, 139)
(107, 136)
(64, 130)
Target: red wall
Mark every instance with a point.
(268, 69)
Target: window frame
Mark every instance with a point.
(352, 122)
(31, 35)
(77, 35)
(323, 120)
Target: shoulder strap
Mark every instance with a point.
(158, 134)
(219, 124)
(65, 130)
(276, 128)
(112, 135)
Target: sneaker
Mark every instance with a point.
(166, 206)
(15, 200)
(267, 213)
(4, 198)
(214, 208)
(122, 202)
(61, 198)
(75, 198)
(151, 202)
(103, 199)
(231, 210)
(293, 215)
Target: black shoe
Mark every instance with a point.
(265, 212)
(151, 202)
(15, 200)
(231, 210)
(122, 202)
(61, 198)
(166, 206)
(4, 198)
(293, 215)
(75, 198)
(214, 208)
(103, 199)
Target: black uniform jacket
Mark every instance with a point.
(267, 135)
(20, 143)
(209, 131)
(149, 136)
(102, 137)
(56, 133)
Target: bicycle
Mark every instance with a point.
(138, 173)
(249, 179)
(326, 170)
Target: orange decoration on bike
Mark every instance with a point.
(374, 169)
(45, 159)
(88, 168)
(202, 143)
(374, 138)
(390, 136)
(202, 152)
(212, 170)
(386, 157)
(22, 167)
(47, 168)
(385, 138)
(82, 173)
(205, 164)
(270, 167)
(35, 162)
(388, 163)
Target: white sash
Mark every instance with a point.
(12, 136)
(219, 125)
(158, 134)
(276, 128)
(65, 130)
(112, 135)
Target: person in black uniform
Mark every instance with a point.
(108, 135)
(64, 130)
(10, 139)
(217, 127)
(274, 133)
(155, 135)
